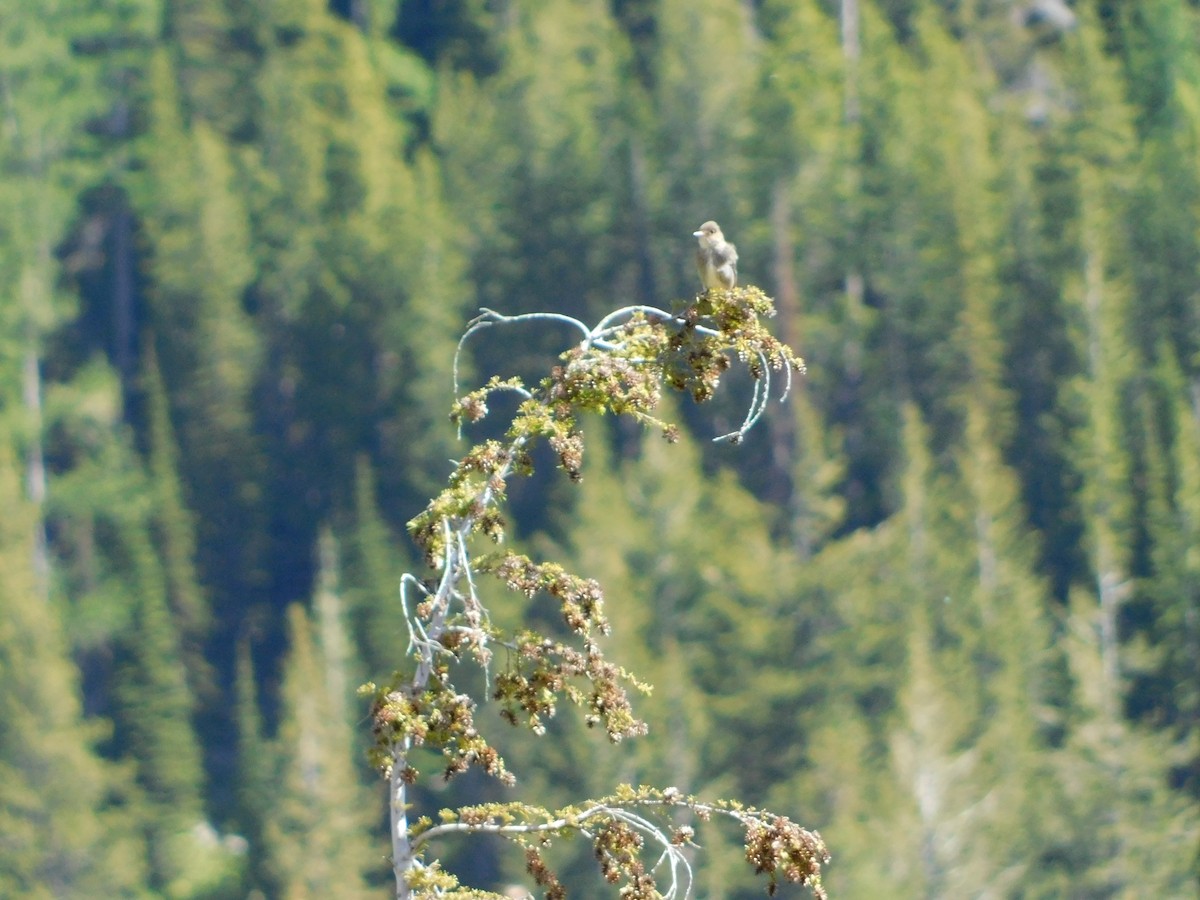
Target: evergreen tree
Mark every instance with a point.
(174, 531)
(882, 342)
(952, 714)
(803, 148)
(1007, 645)
(47, 94)
(254, 790)
(936, 766)
(196, 238)
(874, 592)
(153, 715)
(371, 575)
(102, 510)
(705, 65)
(66, 833)
(1101, 393)
(1163, 65)
(1006, 638)
(1119, 830)
(536, 159)
(350, 323)
(316, 829)
(1165, 611)
(217, 49)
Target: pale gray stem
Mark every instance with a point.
(402, 848)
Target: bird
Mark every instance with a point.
(716, 260)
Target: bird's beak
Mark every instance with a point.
(697, 234)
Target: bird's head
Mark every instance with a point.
(709, 232)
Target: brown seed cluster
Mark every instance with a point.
(618, 850)
(536, 866)
(580, 599)
(439, 718)
(543, 670)
(781, 848)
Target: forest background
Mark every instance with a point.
(944, 606)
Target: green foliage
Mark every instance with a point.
(237, 245)
(316, 825)
(153, 710)
(175, 532)
(66, 831)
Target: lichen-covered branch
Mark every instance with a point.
(620, 825)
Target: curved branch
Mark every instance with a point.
(489, 317)
(603, 327)
(496, 828)
(672, 853)
(758, 404)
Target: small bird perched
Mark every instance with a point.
(716, 259)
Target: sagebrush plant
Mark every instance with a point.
(619, 366)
